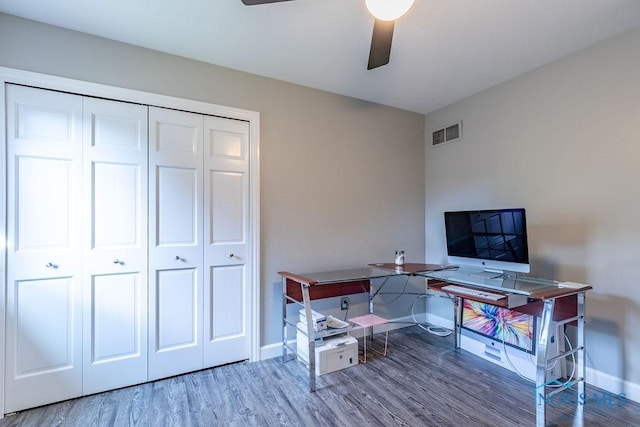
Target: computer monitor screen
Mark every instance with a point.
(493, 239)
(501, 324)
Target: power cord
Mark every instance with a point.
(399, 294)
(506, 353)
(432, 329)
(573, 362)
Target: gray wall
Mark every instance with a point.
(342, 181)
(563, 142)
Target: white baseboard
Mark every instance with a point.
(270, 351)
(440, 321)
(612, 384)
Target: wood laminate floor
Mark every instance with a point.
(421, 382)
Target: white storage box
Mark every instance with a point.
(332, 354)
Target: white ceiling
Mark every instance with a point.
(443, 50)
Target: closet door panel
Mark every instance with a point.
(177, 201)
(226, 321)
(226, 235)
(44, 294)
(116, 333)
(115, 292)
(117, 210)
(176, 310)
(227, 208)
(175, 245)
(35, 231)
(44, 324)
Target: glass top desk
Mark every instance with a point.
(560, 303)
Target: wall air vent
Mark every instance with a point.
(449, 133)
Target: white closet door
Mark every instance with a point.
(44, 293)
(226, 252)
(175, 244)
(115, 264)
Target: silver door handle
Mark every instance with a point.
(51, 265)
(117, 261)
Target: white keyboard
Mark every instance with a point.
(473, 292)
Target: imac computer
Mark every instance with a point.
(493, 240)
(487, 249)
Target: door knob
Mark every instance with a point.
(51, 265)
(178, 258)
(231, 255)
(117, 261)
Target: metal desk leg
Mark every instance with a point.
(311, 337)
(578, 419)
(541, 362)
(284, 319)
(371, 295)
(457, 321)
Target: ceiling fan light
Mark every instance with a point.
(388, 10)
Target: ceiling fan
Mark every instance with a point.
(385, 13)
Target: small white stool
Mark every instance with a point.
(369, 321)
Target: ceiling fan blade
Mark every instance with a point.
(380, 43)
(255, 2)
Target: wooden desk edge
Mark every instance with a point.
(298, 278)
(560, 292)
